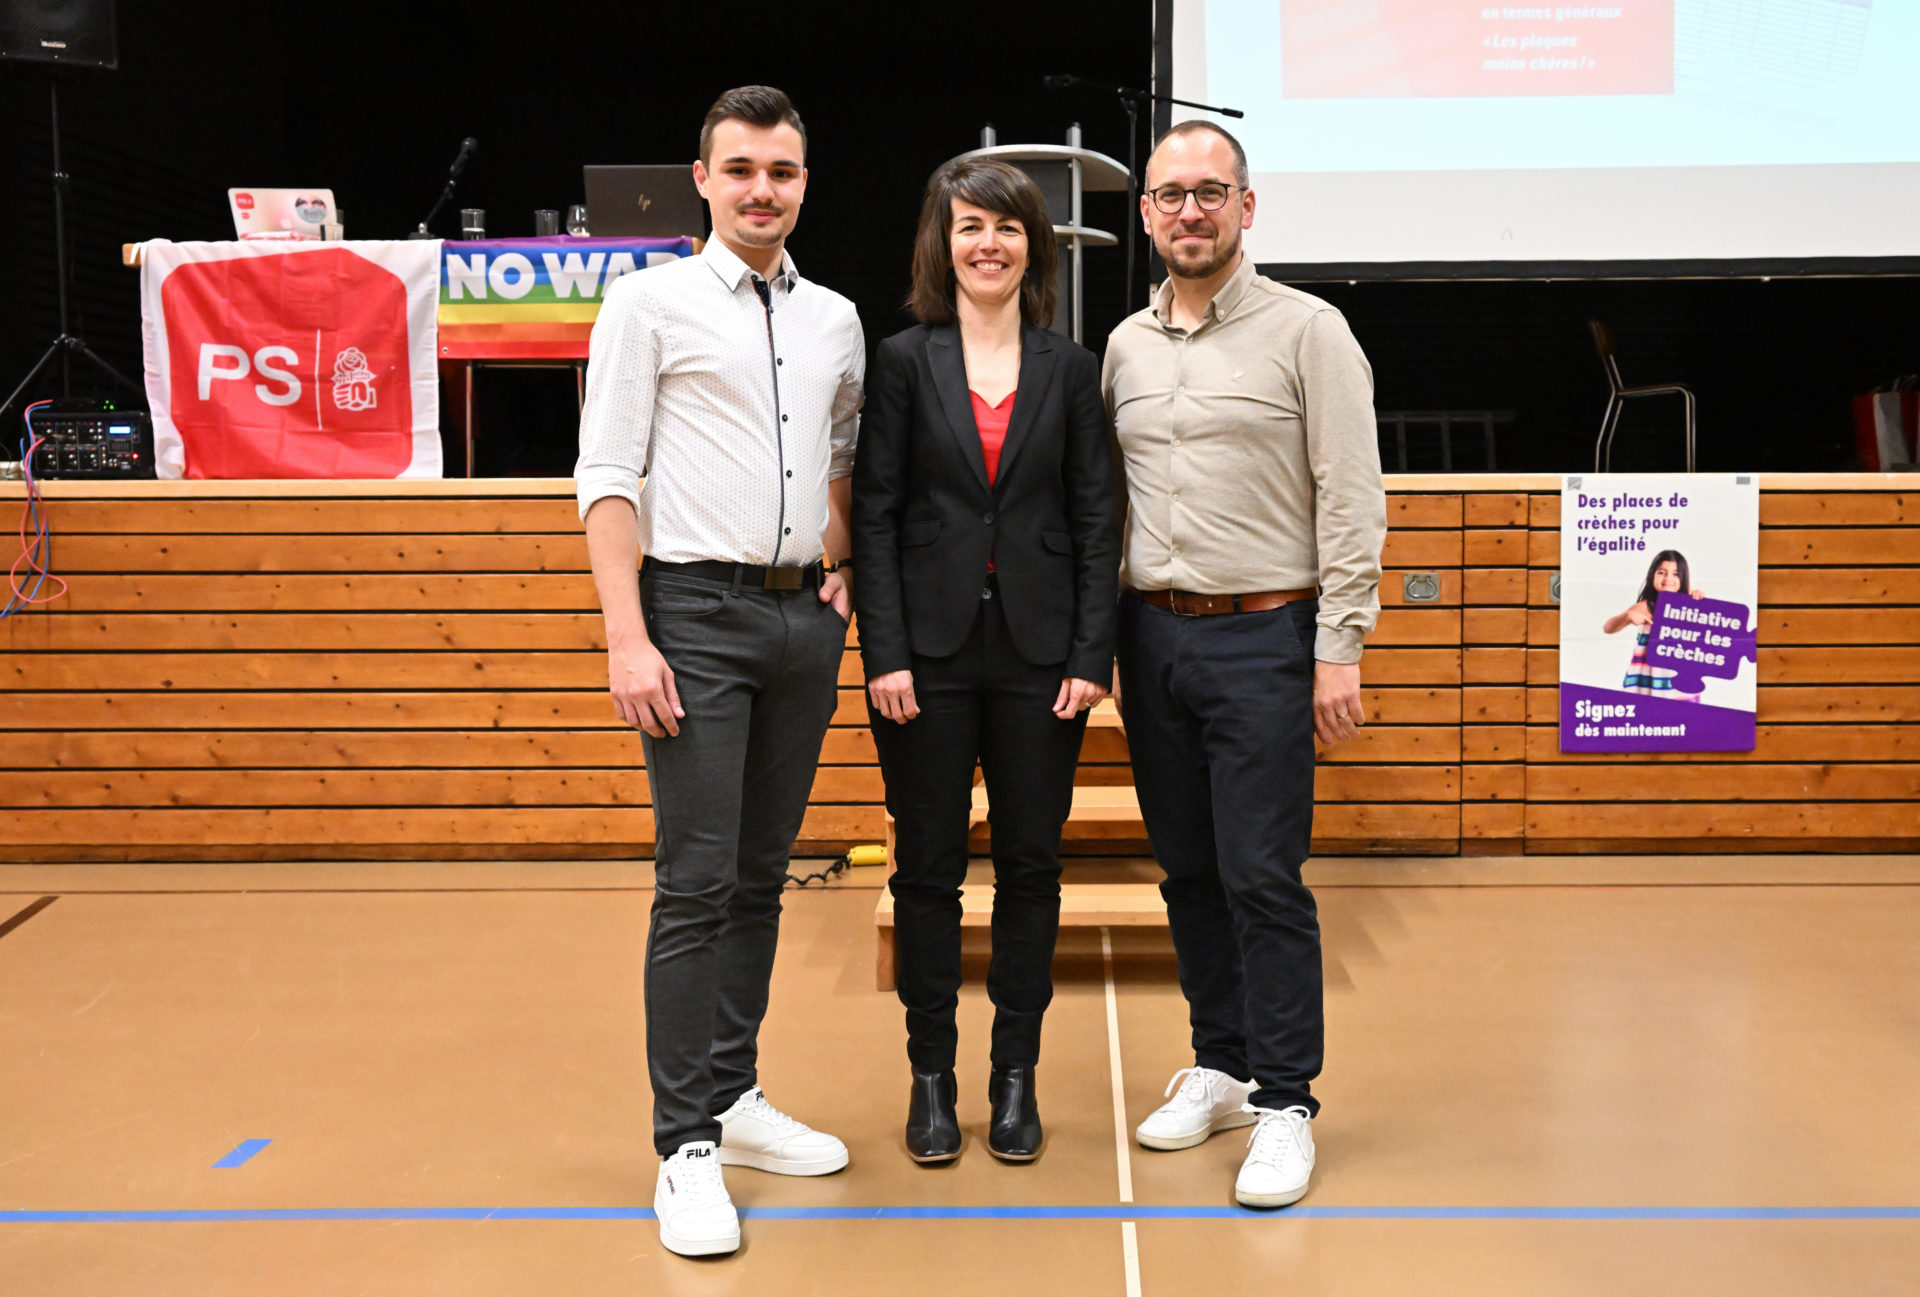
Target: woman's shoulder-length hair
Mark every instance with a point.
(999, 188)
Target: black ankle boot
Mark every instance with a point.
(933, 1131)
(1015, 1133)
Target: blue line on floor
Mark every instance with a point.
(26, 1216)
(243, 1153)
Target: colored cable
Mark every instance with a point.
(36, 550)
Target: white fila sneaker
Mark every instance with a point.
(1207, 1101)
(755, 1134)
(1279, 1158)
(690, 1199)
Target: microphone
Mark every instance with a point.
(468, 147)
(1060, 82)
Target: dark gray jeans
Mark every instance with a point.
(756, 673)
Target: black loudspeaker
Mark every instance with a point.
(75, 32)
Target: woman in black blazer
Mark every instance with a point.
(985, 537)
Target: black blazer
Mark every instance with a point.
(925, 522)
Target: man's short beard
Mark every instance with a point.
(1220, 260)
(760, 236)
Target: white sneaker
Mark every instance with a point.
(1207, 1101)
(1279, 1158)
(690, 1199)
(754, 1133)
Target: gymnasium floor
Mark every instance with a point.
(1630, 1088)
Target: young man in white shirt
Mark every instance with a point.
(730, 386)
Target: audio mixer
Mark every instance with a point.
(91, 439)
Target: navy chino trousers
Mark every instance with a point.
(1219, 716)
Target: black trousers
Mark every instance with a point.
(1219, 714)
(756, 673)
(987, 704)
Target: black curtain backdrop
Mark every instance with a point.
(373, 100)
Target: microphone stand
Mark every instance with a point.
(1130, 101)
(467, 149)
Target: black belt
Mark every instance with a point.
(742, 576)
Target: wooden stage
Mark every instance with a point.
(297, 670)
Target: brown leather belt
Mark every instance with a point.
(1186, 603)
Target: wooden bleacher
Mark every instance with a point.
(415, 670)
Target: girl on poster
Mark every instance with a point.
(1667, 574)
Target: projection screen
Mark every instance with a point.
(1406, 138)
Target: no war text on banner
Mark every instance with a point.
(535, 299)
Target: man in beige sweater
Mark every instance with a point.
(1250, 572)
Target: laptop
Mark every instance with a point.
(280, 213)
(645, 202)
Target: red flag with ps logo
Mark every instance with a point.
(282, 360)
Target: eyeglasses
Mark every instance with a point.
(1210, 197)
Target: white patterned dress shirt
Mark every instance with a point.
(735, 414)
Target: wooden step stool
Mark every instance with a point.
(1099, 811)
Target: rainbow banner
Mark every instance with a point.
(534, 299)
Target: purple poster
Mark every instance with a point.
(1659, 580)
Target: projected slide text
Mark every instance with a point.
(1430, 49)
